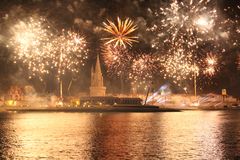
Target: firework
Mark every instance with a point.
(143, 68)
(68, 52)
(36, 47)
(120, 32)
(117, 60)
(178, 66)
(184, 23)
(182, 28)
(28, 40)
(210, 70)
(211, 60)
(211, 65)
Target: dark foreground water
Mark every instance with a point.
(181, 135)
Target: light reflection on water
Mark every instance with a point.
(180, 135)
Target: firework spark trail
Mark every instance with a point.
(144, 66)
(68, 52)
(188, 25)
(211, 65)
(178, 65)
(117, 60)
(36, 47)
(231, 28)
(184, 23)
(28, 39)
(120, 32)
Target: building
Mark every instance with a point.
(97, 87)
(109, 100)
(97, 96)
(16, 93)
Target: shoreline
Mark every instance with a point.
(123, 108)
(137, 109)
(90, 109)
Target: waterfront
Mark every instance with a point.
(175, 135)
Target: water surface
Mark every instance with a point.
(179, 135)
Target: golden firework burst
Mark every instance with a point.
(117, 60)
(211, 65)
(120, 32)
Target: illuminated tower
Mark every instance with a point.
(97, 88)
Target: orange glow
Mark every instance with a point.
(11, 103)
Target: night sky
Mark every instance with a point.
(86, 17)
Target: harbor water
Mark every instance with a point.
(168, 135)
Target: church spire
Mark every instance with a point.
(98, 67)
(97, 88)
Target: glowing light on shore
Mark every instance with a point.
(120, 32)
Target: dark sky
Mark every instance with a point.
(86, 16)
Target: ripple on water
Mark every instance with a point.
(182, 135)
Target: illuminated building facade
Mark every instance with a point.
(97, 87)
